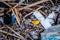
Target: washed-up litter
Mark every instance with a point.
(29, 20)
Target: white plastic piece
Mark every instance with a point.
(38, 15)
(51, 15)
(50, 18)
(45, 22)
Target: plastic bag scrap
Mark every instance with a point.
(52, 33)
(50, 36)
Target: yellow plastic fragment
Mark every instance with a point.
(35, 22)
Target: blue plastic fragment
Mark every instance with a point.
(13, 19)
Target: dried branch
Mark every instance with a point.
(31, 5)
(21, 37)
(6, 0)
(46, 14)
(33, 11)
(7, 4)
(16, 5)
(16, 15)
(9, 34)
(1, 27)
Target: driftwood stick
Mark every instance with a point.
(46, 14)
(52, 2)
(33, 11)
(1, 27)
(6, 0)
(29, 5)
(36, 27)
(16, 15)
(36, 3)
(26, 8)
(21, 37)
(16, 5)
(9, 34)
(7, 4)
(1, 14)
